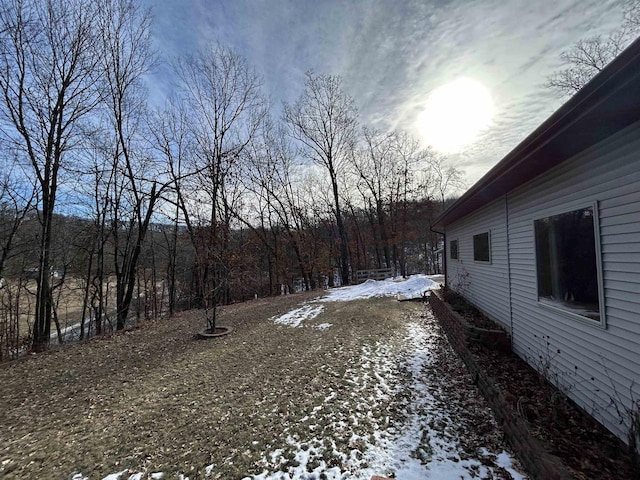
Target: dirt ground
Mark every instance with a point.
(156, 399)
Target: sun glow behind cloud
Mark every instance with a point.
(455, 114)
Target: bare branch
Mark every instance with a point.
(589, 56)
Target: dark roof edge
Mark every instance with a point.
(596, 91)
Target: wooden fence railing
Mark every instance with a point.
(374, 274)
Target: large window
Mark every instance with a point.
(482, 247)
(453, 249)
(567, 262)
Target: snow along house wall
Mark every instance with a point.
(485, 284)
(594, 364)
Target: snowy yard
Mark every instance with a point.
(337, 387)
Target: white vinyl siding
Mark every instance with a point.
(594, 364)
(487, 284)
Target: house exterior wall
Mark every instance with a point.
(595, 364)
(592, 363)
(486, 285)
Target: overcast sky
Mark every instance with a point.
(393, 54)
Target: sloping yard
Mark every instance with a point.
(304, 387)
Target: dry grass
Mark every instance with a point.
(157, 399)
(153, 395)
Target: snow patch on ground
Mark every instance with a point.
(505, 461)
(422, 450)
(294, 318)
(322, 326)
(127, 475)
(403, 289)
(412, 287)
(421, 443)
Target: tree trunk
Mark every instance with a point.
(87, 287)
(344, 248)
(42, 324)
(376, 238)
(383, 232)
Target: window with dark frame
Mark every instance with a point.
(567, 262)
(453, 249)
(481, 247)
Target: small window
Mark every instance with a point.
(482, 247)
(567, 262)
(453, 248)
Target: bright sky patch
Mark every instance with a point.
(454, 115)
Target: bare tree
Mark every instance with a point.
(441, 180)
(16, 200)
(47, 79)
(126, 57)
(15, 207)
(409, 156)
(386, 169)
(272, 177)
(589, 56)
(97, 186)
(374, 167)
(227, 109)
(172, 140)
(324, 121)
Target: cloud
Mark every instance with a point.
(392, 54)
